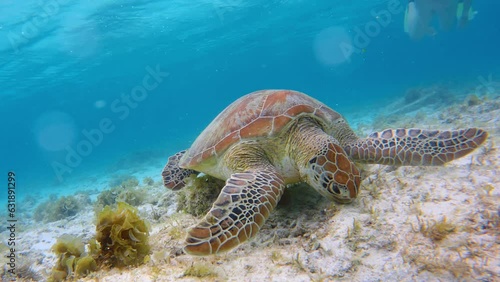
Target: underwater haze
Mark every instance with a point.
(98, 97)
(93, 87)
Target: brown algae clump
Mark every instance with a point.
(56, 209)
(124, 181)
(473, 100)
(132, 196)
(121, 236)
(199, 194)
(200, 270)
(436, 230)
(72, 260)
(148, 181)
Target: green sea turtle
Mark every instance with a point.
(268, 139)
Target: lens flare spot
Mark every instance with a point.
(100, 104)
(54, 131)
(333, 46)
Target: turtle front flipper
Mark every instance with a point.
(173, 175)
(241, 209)
(415, 146)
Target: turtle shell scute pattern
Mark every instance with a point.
(259, 114)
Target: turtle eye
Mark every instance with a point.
(333, 188)
(326, 180)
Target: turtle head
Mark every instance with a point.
(333, 174)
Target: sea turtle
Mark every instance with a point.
(270, 138)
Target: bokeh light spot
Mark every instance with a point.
(99, 104)
(54, 131)
(333, 46)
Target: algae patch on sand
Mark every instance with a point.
(72, 261)
(121, 240)
(121, 236)
(199, 194)
(59, 208)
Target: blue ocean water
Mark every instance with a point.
(68, 71)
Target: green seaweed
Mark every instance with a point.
(72, 259)
(130, 183)
(435, 230)
(84, 266)
(67, 244)
(110, 197)
(57, 209)
(124, 181)
(200, 270)
(107, 197)
(134, 197)
(121, 236)
(199, 194)
(473, 100)
(148, 181)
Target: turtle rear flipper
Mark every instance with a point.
(415, 146)
(173, 176)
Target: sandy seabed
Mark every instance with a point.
(408, 223)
